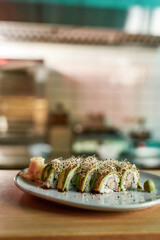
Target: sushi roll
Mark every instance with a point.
(107, 178)
(86, 174)
(47, 172)
(50, 173)
(68, 173)
(130, 177)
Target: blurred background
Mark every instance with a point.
(80, 77)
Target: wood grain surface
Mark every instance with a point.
(26, 217)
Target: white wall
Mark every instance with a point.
(122, 82)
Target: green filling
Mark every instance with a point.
(138, 175)
(81, 181)
(94, 180)
(46, 172)
(122, 180)
(64, 177)
(74, 180)
(67, 178)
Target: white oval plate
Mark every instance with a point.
(117, 202)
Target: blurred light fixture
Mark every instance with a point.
(137, 20)
(3, 124)
(155, 22)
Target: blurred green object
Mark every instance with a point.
(149, 186)
(153, 143)
(85, 146)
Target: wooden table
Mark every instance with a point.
(26, 217)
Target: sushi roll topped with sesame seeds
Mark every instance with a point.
(67, 174)
(88, 174)
(107, 178)
(130, 177)
(51, 172)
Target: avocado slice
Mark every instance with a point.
(74, 180)
(46, 172)
(82, 179)
(138, 175)
(65, 178)
(122, 179)
(96, 182)
(93, 181)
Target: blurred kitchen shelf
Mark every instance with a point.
(14, 156)
(95, 141)
(54, 33)
(18, 156)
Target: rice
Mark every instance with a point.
(108, 181)
(127, 182)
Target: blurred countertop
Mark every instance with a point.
(26, 217)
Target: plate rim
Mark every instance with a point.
(127, 207)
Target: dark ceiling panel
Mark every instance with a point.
(62, 14)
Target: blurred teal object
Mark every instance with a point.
(123, 4)
(153, 143)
